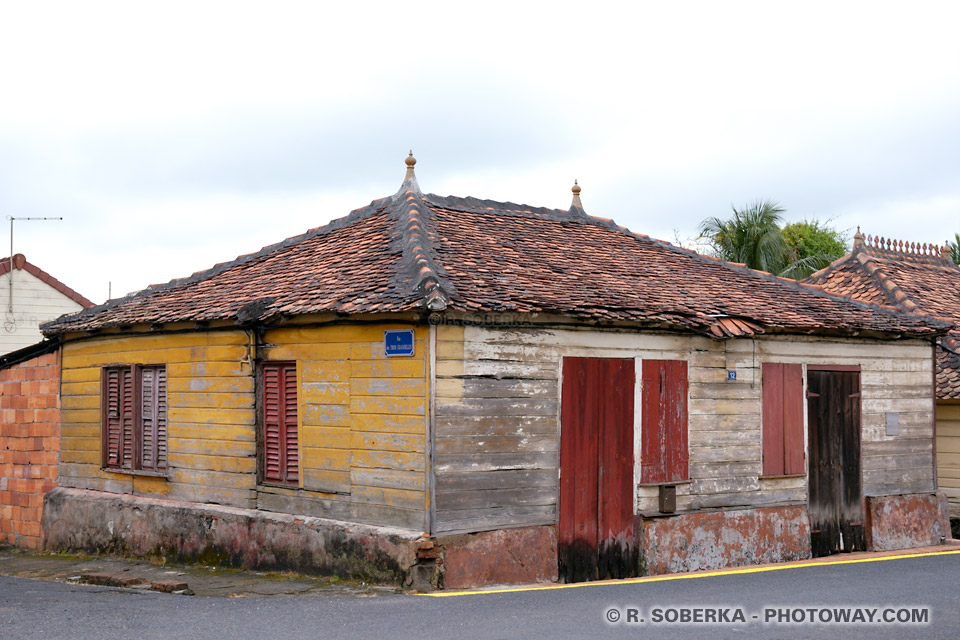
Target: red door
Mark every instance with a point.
(596, 539)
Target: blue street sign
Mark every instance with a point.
(731, 375)
(398, 342)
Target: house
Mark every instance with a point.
(917, 278)
(30, 297)
(460, 391)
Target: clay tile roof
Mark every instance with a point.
(915, 278)
(423, 252)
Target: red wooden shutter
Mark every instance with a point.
(153, 418)
(280, 460)
(664, 453)
(794, 461)
(782, 419)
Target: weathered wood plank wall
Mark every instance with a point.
(363, 426)
(497, 418)
(362, 422)
(948, 452)
(211, 437)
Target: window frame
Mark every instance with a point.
(137, 430)
(262, 440)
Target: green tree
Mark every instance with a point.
(812, 239)
(955, 248)
(755, 236)
(752, 236)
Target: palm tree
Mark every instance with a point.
(753, 237)
(955, 248)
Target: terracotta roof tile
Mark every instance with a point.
(915, 279)
(425, 252)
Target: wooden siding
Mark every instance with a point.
(361, 421)
(211, 443)
(497, 418)
(362, 426)
(948, 452)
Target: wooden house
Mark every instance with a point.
(917, 278)
(467, 391)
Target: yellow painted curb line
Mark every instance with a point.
(690, 576)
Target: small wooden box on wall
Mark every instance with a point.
(668, 498)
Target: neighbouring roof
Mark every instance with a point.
(918, 278)
(423, 252)
(20, 262)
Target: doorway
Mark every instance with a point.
(596, 536)
(835, 496)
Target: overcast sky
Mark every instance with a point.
(174, 135)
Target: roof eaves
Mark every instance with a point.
(73, 322)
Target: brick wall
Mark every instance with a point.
(29, 445)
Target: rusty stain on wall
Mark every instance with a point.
(718, 539)
(904, 522)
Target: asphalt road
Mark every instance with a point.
(43, 609)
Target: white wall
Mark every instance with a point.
(34, 302)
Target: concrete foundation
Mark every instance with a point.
(98, 522)
(507, 556)
(905, 522)
(723, 538)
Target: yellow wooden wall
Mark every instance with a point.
(363, 425)
(363, 421)
(211, 429)
(948, 452)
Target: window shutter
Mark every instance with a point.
(127, 418)
(153, 417)
(111, 419)
(280, 457)
(782, 419)
(289, 375)
(664, 453)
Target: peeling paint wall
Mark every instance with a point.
(718, 539)
(508, 556)
(362, 421)
(905, 522)
(97, 522)
(497, 418)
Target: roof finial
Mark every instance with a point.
(857, 239)
(410, 161)
(576, 196)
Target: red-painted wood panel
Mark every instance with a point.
(664, 456)
(280, 459)
(772, 381)
(596, 536)
(617, 542)
(782, 419)
(793, 456)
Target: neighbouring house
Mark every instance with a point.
(918, 278)
(458, 391)
(30, 297)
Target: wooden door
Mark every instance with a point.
(596, 536)
(836, 504)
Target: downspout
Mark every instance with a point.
(431, 429)
(936, 470)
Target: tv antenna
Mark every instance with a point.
(11, 219)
